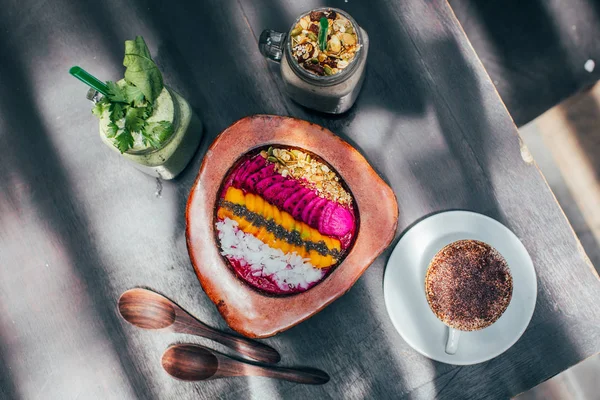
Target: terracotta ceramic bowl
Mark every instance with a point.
(245, 309)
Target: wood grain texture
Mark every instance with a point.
(190, 362)
(78, 226)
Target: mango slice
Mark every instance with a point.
(256, 204)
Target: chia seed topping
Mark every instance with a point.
(292, 237)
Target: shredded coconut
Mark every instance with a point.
(287, 270)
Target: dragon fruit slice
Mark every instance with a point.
(269, 181)
(254, 165)
(306, 212)
(241, 170)
(252, 180)
(280, 198)
(271, 193)
(335, 220)
(293, 200)
(315, 215)
(307, 198)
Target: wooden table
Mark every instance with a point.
(78, 226)
(534, 51)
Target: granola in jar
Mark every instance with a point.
(323, 59)
(324, 42)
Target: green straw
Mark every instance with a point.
(89, 79)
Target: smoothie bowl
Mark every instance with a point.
(283, 218)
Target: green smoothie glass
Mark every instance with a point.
(168, 160)
(148, 123)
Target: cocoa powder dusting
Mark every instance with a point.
(468, 285)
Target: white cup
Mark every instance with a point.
(452, 342)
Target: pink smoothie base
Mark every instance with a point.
(267, 283)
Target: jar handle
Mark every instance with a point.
(93, 95)
(271, 44)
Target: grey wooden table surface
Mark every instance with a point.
(78, 226)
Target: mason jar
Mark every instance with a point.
(330, 93)
(168, 160)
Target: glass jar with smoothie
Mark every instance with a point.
(171, 155)
(323, 59)
(149, 124)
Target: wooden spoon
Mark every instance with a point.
(191, 362)
(150, 310)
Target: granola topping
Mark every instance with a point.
(315, 174)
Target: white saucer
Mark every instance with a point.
(404, 287)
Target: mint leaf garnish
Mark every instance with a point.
(99, 107)
(147, 111)
(163, 130)
(133, 122)
(116, 111)
(115, 93)
(149, 139)
(134, 95)
(141, 70)
(156, 133)
(112, 130)
(124, 141)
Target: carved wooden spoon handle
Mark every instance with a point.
(310, 376)
(248, 347)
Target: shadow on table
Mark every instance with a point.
(527, 51)
(202, 56)
(212, 68)
(99, 23)
(458, 104)
(8, 385)
(33, 162)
